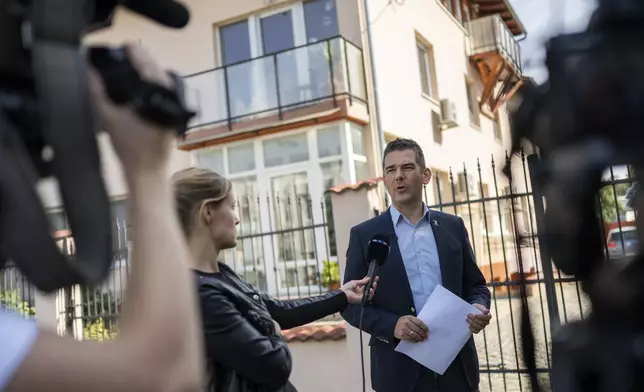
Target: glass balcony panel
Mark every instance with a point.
(206, 94)
(355, 69)
(277, 83)
(251, 88)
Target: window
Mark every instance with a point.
(443, 191)
(437, 129)
(247, 204)
(426, 68)
(234, 40)
(331, 176)
(58, 221)
(357, 139)
(277, 32)
(285, 150)
(119, 211)
(358, 145)
(473, 103)
(362, 171)
(292, 215)
(247, 258)
(321, 20)
(211, 160)
(329, 142)
(286, 225)
(292, 76)
(236, 46)
(241, 158)
(498, 132)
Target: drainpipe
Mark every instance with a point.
(374, 83)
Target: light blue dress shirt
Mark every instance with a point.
(419, 253)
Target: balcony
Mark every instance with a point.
(300, 83)
(497, 56)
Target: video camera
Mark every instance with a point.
(48, 128)
(588, 117)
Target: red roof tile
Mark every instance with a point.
(316, 332)
(355, 187)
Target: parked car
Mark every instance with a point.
(622, 242)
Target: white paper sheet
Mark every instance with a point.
(445, 314)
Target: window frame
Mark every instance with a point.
(426, 68)
(269, 246)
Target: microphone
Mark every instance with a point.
(377, 252)
(166, 12)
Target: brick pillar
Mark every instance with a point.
(352, 205)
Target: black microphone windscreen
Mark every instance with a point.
(166, 12)
(378, 248)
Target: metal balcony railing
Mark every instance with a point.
(275, 84)
(490, 34)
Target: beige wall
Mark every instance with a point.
(186, 51)
(323, 366)
(189, 50)
(404, 111)
(112, 173)
(193, 48)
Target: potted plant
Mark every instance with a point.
(331, 275)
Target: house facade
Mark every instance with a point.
(296, 97)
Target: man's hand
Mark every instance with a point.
(479, 321)
(410, 328)
(355, 288)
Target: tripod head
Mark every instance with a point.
(586, 118)
(45, 105)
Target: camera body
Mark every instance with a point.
(587, 118)
(45, 103)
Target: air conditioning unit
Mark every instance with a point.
(448, 113)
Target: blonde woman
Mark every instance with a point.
(244, 348)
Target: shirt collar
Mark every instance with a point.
(396, 215)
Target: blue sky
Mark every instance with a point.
(544, 19)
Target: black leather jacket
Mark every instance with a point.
(244, 351)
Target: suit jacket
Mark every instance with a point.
(392, 371)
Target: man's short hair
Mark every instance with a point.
(401, 144)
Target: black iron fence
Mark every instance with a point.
(285, 247)
(289, 251)
(16, 293)
(277, 83)
(503, 218)
(91, 313)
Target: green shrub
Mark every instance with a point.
(11, 300)
(330, 273)
(98, 331)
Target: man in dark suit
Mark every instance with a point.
(427, 248)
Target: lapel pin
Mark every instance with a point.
(436, 223)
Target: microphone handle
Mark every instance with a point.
(373, 265)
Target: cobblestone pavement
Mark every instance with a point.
(499, 348)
